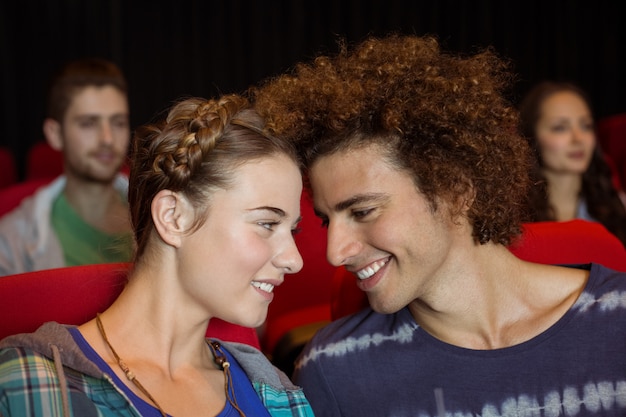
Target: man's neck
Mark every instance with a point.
(497, 304)
(99, 204)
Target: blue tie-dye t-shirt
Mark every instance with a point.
(370, 364)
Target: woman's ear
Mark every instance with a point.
(173, 215)
(52, 132)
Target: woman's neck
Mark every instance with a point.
(563, 194)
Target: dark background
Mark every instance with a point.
(169, 49)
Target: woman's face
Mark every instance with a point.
(565, 133)
(230, 266)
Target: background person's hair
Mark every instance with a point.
(75, 76)
(195, 150)
(445, 118)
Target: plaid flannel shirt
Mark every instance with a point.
(31, 384)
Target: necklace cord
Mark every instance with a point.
(218, 355)
(222, 362)
(131, 376)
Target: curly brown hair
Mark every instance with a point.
(195, 150)
(443, 117)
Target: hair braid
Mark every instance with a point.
(195, 150)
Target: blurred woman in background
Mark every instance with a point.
(572, 177)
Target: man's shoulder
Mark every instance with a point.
(24, 210)
(41, 197)
(604, 279)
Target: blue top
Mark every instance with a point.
(371, 364)
(582, 212)
(247, 399)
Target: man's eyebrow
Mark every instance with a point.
(84, 116)
(355, 200)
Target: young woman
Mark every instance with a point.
(572, 177)
(214, 204)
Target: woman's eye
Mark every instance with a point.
(269, 225)
(296, 231)
(589, 127)
(559, 128)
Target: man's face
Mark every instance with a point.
(95, 134)
(381, 228)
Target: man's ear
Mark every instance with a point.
(468, 199)
(52, 132)
(172, 215)
(463, 202)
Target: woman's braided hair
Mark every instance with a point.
(195, 150)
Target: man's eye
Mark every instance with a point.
(325, 223)
(361, 213)
(120, 124)
(88, 124)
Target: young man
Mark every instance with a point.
(417, 171)
(81, 217)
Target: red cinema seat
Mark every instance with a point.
(612, 139)
(301, 304)
(73, 295)
(12, 196)
(42, 161)
(8, 169)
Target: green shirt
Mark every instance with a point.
(82, 243)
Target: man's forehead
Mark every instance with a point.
(94, 103)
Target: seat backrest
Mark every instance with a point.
(73, 295)
(42, 161)
(309, 286)
(8, 168)
(570, 242)
(612, 140)
(303, 298)
(558, 243)
(11, 196)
